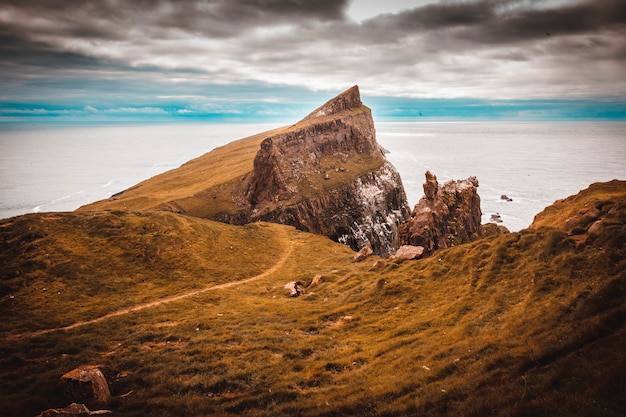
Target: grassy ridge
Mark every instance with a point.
(210, 186)
(524, 324)
(223, 165)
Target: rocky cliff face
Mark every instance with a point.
(339, 128)
(328, 175)
(447, 215)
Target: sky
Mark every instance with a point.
(276, 60)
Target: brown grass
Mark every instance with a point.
(222, 165)
(523, 324)
(208, 186)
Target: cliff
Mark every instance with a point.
(325, 174)
(446, 216)
(328, 175)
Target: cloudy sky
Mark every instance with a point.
(255, 60)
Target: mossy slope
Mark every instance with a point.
(523, 324)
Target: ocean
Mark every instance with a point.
(62, 167)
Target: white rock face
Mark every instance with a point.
(383, 208)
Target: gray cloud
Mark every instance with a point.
(492, 21)
(582, 18)
(116, 19)
(481, 48)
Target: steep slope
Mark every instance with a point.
(213, 174)
(523, 324)
(325, 174)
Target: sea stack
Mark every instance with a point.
(446, 216)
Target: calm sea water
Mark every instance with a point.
(60, 168)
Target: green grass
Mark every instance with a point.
(523, 324)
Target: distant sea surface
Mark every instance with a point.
(60, 168)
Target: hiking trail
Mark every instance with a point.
(281, 261)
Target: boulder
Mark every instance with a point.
(294, 288)
(595, 228)
(365, 252)
(447, 215)
(86, 384)
(408, 252)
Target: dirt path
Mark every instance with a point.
(166, 300)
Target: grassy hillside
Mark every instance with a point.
(580, 210)
(217, 170)
(523, 324)
(208, 186)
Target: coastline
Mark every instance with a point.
(75, 165)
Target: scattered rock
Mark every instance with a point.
(595, 228)
(365, 252)
(342, 321)
(377, 265)
(505, 197)
(86, 384)
(496, 218)
(317, 279)
(295, 288)
(408, 252)
(73, 410)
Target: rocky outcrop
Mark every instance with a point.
(86, 384)
(328, 175)
(590, 217)
(287, 160)
(446, 216)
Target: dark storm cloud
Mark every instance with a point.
(434, 16)
(492, 21)
(581, 18)
(482, 21)
(116, 19)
